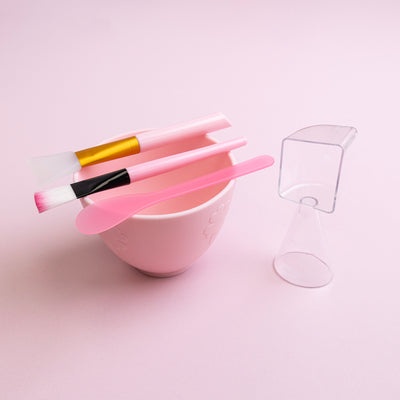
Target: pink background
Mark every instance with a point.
(77, 323)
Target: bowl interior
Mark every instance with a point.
(158, 182)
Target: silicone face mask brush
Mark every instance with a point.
(49, 168)
(107, 213)
(54, 197)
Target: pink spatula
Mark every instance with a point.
(107, 213)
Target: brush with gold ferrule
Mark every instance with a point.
(49, 168)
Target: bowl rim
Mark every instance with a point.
(178, 214)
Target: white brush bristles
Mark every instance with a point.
(50, 168)
(54, 197)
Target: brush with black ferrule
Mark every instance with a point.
(51, 198)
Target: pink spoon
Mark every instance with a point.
(107, 213)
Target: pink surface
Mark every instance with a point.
(75, 322)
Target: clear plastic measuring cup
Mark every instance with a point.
(310, 168)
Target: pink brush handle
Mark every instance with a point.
(159, 137)
(165, 164)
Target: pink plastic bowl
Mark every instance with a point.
(165, 239)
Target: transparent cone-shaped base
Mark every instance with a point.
(301, 259)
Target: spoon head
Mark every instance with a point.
(108, 213)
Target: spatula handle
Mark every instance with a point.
(213, 178)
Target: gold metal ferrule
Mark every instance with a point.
(108, 151)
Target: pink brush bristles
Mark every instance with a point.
(54, 197)
(40, 200)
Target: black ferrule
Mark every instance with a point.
(100, 183)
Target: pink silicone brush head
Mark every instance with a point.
(51, 198)
(40, 202)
